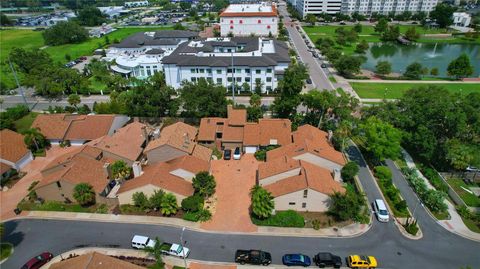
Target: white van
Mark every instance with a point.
(141, 242)
(381, 210)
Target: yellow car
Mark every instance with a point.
(357, 261)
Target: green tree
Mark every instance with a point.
(460, 67)
(262, 202)
(345, 206)
(185, 5)
(254, 111)
(349, 171)
(74, 99)
(204, 184)
(120, 170)
(391, 34)
(358, 28)
(84, 194)
(192, 203)
(34, 139)
(140, 200)
(28, 60)
(413, 71)
(460, 155)
(156, 252)
(383, 68)
(411, 34)
(4, 20)
(169, 204)
(178, 26)
(348, 65)
(65, 33)
(342, 133)
(434, 71)
(90, 16)
(203, 99)
(311, 18)
(155, 200)
(442, 14)
(362, 46)
(258, 86)
(381, 25)
(382, 140)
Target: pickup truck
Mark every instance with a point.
(253, 257)
(174, 250)
(323, 259)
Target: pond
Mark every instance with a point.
(429, 55)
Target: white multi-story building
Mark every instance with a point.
(140, 54)
(365, 7)
(137, 4)
(251, 60)
(247, 19)
(461, 19)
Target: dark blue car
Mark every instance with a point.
(296, 260)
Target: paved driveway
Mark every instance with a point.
(9, 199)
(234, 179)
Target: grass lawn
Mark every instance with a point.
(57, 206)
(24, 123)
(97, 86)
(396, 90)
(6, 250)
(468, 198)
(441, 215)
(472, 225)
(287, 218)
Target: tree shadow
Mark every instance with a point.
(10, 235)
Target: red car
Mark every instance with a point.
(37, 261)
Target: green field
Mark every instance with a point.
(29, 39)
(396, 90)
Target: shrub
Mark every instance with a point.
(345, 206)
(192, 203)
(204, 215)
(433, 199)
(349, 171)
(434, 179)
(140, 200)
(316, 224)
(155, 201)
(383, 173)
(411, 227)
(401, 206)
(191, 216)
(287, 218)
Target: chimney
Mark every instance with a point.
(145, 133)
(337, 175)
(137, 169)
(107, 170)
(330, 135)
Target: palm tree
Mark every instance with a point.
(121, 170)
(84, 194)
(169, 204)
(74, 100)
(34, 139)
(262, 202)
(156, 252)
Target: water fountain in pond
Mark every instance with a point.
(432, 55)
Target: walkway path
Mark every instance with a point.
(412, 81)
(455, 223)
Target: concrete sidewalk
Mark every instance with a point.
(455, 223)
(351, 230)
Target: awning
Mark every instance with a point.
(118, 69)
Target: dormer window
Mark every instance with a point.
(259, 21)
(231, 21)
(241, 21)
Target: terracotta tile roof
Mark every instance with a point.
(12, 147)
(202, 153)
(4, 168)
(189, 163)
(178, 135)
(73, 127)
(77, 169)
(126, 142)
(277, 166)
(250, 134)
(308, 139)
(310, 177)
(275, 129)
(272, 13)
(84, 150)
(232, 134)
(209, 127)
(236, 117)
(159, 175)
(94, 260)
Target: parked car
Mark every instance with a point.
(174, 250)
(381, 210)
(227, 154)
(141, 242)
(83, 58)
(323, 65)
(361, 261)
(309, 81)
(472, 169)
(296, 260)
(38, 261)
(323, 259)
(237, 154)
(253, 257)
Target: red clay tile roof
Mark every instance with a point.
(232, 134)
(272, 13)
(73, 127)
(308, 139)
(251, 134)
(126, 142)
(275, 129)
(178, 135)
(94, 260)
(189, 163)
(12, 147)
(277, 166)
(4, 168)
(236, 117)
(310, 177)
(202, 153)
(209, 127)
(85, 150)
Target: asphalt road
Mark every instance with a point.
(317, 74)
(437, 249)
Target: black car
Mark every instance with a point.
(227, 154)
(309, 81)
(324, 65)
(324, 259)
(253, 257)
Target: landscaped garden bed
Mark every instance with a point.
(459, 186)
(287, 218)
(392, 195)
(26, 205)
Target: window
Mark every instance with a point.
(209, 79)
(238, 70)
(231, 26)
(269, 70)
(220, 49)
(259, 21)
(269, 79)
(241, 21)
(268, 26)
(201, 70)
(239, 79)
(291, 203)
(305, 193)
(209, 71)
(219, 81)
(247, 70)
(247, 79)
(149, 73)
(59, 185)
(193, 79)
(192, 70)
(229, 50)
(219, 71)
(304, 205)
(229, 79)
(229, 70)
(269, 88)
(231, 21)
(258, 71)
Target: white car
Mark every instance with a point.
(472, 169)
(237, 154)
(141, 242)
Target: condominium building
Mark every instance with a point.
(236, 61)
(247, 19)
(140, 54)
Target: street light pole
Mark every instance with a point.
(183, 249)
(18, 84)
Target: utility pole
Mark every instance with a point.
(233, 81)
(183, 249)
(18, 84)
